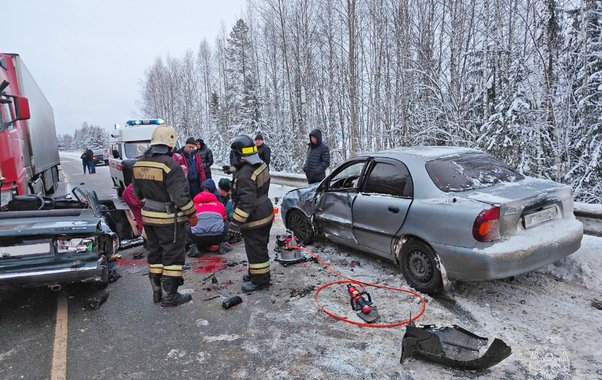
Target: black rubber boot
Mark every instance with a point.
(246, 277)
(249, 287)
(194, 251)
(171, 296)
(155, 280)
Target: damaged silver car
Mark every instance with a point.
(440, 213)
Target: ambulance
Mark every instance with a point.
(128, 143)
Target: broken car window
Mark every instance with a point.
(470, 171)
(348, 177)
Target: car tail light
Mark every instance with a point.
(486, 226)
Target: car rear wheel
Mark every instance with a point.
(301, 226)
(419, 266)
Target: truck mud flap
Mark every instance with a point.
(452, 346)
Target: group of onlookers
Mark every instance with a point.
(177, 200)
(88, 161)
(213, 202)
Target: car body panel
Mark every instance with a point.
(445, 219)
(518, 254)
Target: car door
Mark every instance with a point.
(334, 202)
(382, 204)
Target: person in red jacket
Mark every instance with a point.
(135, 206)
(212, 227)
(189, 158)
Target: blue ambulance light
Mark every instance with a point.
(147, 121)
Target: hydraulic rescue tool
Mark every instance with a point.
(363, 307)
(288, 254)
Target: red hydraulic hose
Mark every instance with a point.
(361, 283)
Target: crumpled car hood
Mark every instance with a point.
(302, 198)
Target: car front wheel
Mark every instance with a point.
(420, 268)
(301, 226)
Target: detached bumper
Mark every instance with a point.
(524, 252)
(54, 274)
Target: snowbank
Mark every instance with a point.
(583, 267)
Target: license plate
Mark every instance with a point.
(25, 250)
(539, 217)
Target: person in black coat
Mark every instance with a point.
(317, 159)
(263, 150)
(206, 156)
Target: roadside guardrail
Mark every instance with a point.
(591, 217)
(588, 214)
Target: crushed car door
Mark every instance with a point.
(335, 199)
(382, 204)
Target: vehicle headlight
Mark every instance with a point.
(7, 196)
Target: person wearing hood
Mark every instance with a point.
(212, 227)
(209, 185)
(317, 159)
(253, 210)
(206, 156)
(189, 158)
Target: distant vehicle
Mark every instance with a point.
(29, 155)
(439, 212)
(128, 142)
(99, 157)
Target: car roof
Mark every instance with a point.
(424, 153)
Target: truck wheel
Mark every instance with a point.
(419, 265)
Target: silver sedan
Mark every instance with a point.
(440, 213)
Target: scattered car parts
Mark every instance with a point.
(452, 346)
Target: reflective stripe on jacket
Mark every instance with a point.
(250, 189)
(161, 180)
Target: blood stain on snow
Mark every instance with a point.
(209, 264)
(131, 263)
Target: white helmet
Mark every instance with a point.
(164, 135)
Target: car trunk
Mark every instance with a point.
(527, 203)
(33, 242)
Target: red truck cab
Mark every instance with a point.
(28, 148)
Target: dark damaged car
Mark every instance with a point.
(440, 213)
(54, 241)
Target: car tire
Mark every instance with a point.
(419, 265)
(297, 222)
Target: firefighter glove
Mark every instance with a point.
(193, 220)
(228, 169)
(234, 228)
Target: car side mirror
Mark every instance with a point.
(116, 153)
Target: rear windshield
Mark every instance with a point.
(470, 171)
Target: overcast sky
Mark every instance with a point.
(88, 56)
